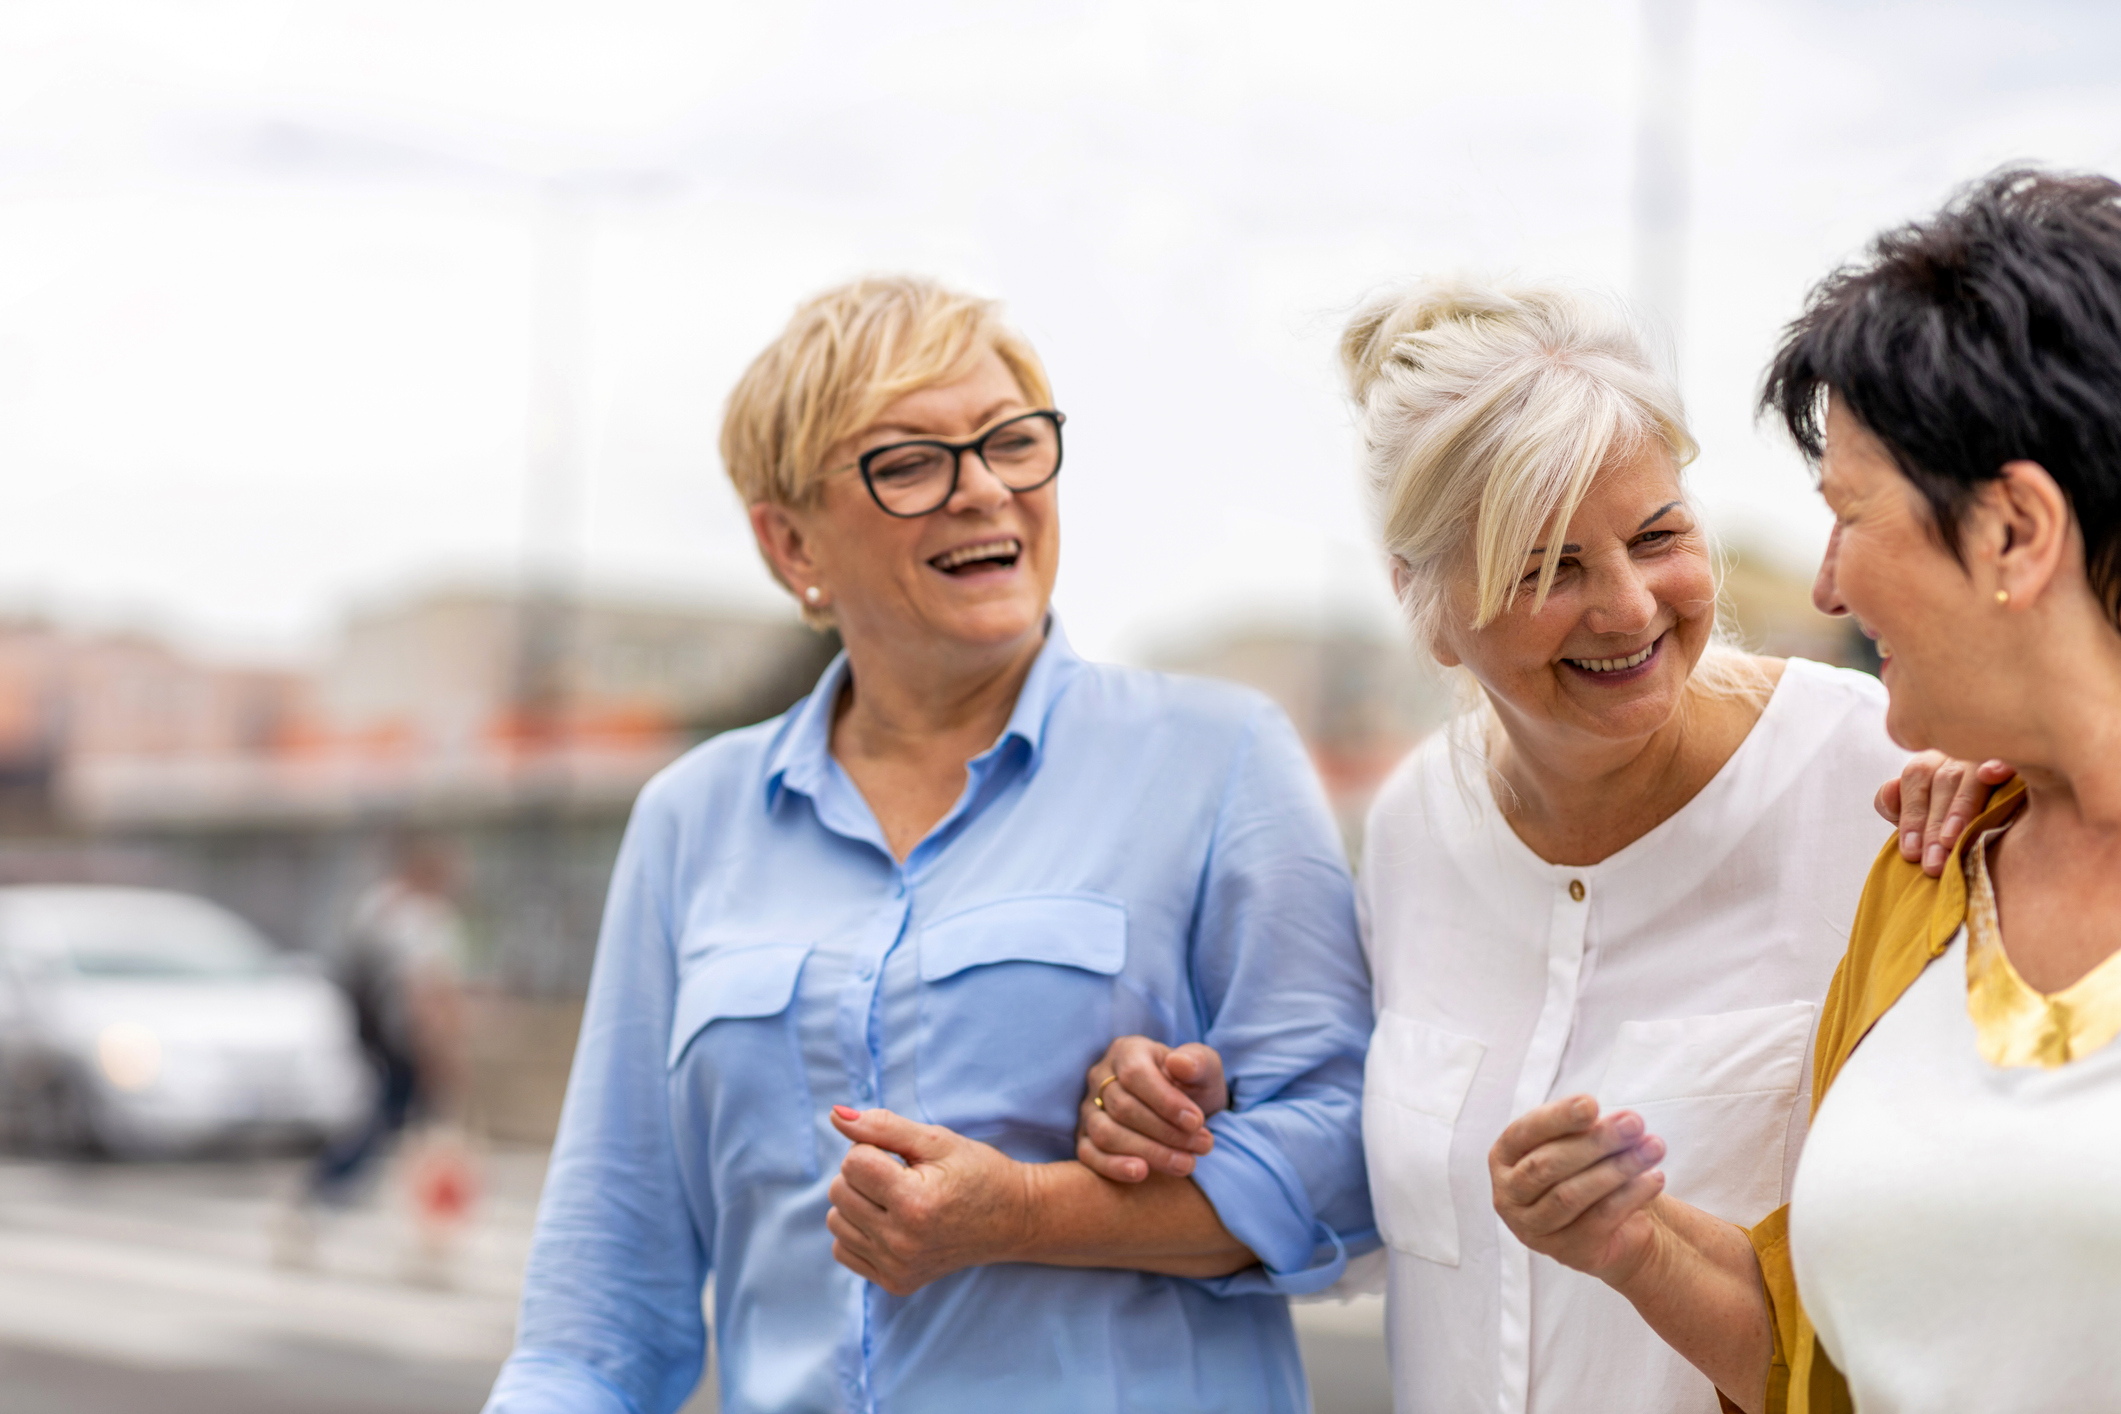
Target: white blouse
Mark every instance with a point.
(1679, 978)
(1956, 1226)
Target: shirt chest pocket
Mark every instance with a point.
(736, 1064)
(1414, 1084)
(1719, 1090)
(1016, 1002)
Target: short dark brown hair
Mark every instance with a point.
(1989, 333)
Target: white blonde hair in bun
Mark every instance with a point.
(1484, 411)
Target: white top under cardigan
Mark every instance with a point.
(1956, 1227)
(1680, 978)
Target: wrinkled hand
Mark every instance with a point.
(1146, 1108)
(953, 1203)
(1578, 1187)
(1933, 800)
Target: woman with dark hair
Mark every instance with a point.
(1953, 1238)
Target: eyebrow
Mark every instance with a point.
(990, 415)
(1573, 549)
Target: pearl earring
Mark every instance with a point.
(2003, 596)
(813, 596)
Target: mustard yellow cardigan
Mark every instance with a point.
(1905, 920)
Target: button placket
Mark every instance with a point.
(1566, 928)
(857, 1003)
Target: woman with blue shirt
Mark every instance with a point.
(857, 960)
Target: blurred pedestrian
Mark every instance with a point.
(401, 964)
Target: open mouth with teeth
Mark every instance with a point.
(987, 555)
(1618, 669)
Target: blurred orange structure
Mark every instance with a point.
(452, 702)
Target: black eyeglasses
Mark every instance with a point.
(918, 478)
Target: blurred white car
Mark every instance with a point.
(139, 1021)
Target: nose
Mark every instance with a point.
(978, 489)
(1624, 603)
(1826, 593)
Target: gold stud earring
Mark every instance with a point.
(2003, 596)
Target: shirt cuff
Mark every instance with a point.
(533, 1382)
(1264, 1205)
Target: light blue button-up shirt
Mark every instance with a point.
(1136, 854)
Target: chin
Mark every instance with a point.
(1905, 722)
(1906, 735)
(994, 624)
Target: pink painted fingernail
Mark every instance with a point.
(844, 1113)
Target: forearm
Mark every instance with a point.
(1163, 1224)
(1700, 1290)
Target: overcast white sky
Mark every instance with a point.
(267, 270)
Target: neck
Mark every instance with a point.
(1578, 801)
(906, 705)
(2068, 747)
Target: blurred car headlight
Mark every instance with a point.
(130, 1055)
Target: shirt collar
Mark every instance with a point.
(801, 757)
(1949, 903)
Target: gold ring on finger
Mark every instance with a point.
(1099, 1098)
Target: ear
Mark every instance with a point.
(2028, 534)
(1403, 576)
(785, 541)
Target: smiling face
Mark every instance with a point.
(974, 577)
(1605, 659)
(1885, 566)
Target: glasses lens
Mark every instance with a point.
(1024, 453)
(912, 479)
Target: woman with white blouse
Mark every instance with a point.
(1628, 875)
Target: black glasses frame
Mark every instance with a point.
(977, 446)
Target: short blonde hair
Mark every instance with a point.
(1485, 411)
(848, 354)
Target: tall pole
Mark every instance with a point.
(1663, 195)
(553, 480)
(546, 628)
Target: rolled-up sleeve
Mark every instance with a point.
(1285, 997)
(611, 1320)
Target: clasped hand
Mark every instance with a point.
(1145, 1109)
(915, 1202)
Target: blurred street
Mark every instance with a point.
(150, 1289)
